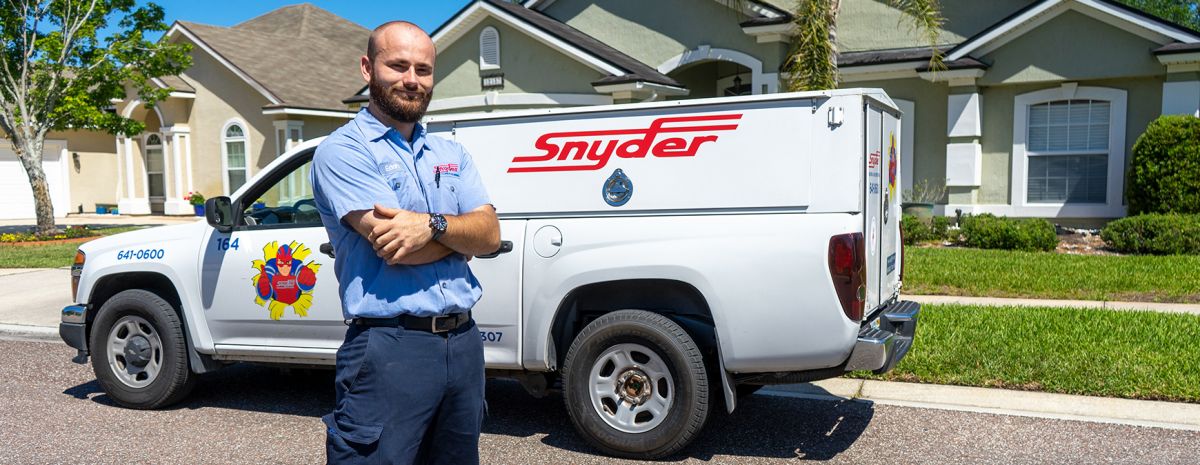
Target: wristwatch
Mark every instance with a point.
(437, 224)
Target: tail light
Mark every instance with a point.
(902, 257)
(847, 269)
(76, 271)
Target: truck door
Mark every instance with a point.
(267, 283)
(889, 235)
(498, 313)
(873, 199)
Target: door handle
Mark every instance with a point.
(327, 249)
(505, 247)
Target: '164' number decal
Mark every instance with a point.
(224, 244)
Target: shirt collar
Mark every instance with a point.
(374, 130)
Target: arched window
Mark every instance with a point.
(234, 148)
(489, 48)
(1069, 151)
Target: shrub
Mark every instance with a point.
(1154, 234)
(916, 231)
(991, 232)
(1164, 172)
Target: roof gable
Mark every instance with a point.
(558, 36)
(298, 56)
(1027, 19)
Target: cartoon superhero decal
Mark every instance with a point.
(892, 167)
(283, 279)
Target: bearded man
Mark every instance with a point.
(404, 211)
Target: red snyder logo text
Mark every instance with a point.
(591, 150)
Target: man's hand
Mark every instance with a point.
(402, 233)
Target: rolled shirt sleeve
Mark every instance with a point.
(346, 178)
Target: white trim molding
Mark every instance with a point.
(706, 53)
(245, 139)
(466, 20)
(180, 29)
(310, 112)
(1049, 9)
(1113, 207)
(500, 100)
(770, 32)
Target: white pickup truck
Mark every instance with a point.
(657, 259)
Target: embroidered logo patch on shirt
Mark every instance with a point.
(449, 169)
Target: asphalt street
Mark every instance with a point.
(54, 412)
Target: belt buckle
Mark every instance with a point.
(433, 325)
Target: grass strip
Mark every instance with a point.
(49, 255)
(1003, 273)
(1128, 354)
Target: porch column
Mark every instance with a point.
(1181, 90)
(173, 152)
(964, 128)
(130, 203)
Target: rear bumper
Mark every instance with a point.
(886, 339)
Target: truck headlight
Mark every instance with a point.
(76, 271)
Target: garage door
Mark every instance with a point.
(16, 201)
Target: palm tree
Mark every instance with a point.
(812, 62)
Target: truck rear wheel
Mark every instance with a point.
(635, 385)
(139, 353)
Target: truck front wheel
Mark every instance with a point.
(139, 353)
(635, 385)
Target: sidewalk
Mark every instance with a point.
(1193, 309)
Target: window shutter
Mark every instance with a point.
(489, 48)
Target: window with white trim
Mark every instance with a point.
(155, 167)
(489, 48)
(236, 161)
(1067, 148)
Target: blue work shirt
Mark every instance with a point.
(365, 163)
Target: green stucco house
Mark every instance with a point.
(1034, 117)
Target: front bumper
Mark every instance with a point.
(886, 339)
(73, 330)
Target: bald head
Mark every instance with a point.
(395, 33)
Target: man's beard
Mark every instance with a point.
(398, 107)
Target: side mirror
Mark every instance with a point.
(219, 213)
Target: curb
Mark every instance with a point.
(1165, 307)
(29, 332)
(1148, 413)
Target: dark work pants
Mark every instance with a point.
(407, 396)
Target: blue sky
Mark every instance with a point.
(428, 14)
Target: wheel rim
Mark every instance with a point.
(631, 388)
(135, 352)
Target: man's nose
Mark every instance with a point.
(409, 78)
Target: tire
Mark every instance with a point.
(139, 353)
(639, 353)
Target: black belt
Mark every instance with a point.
(433, 324)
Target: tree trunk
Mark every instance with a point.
(29, 151)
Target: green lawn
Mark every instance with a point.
(1139, 355)
(46, 256)
(1002, 273)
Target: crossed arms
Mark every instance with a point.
(401, 237)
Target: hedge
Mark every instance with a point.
(1154, 234)
(1164, 171)
(988, 231)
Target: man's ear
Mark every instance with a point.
(364, 65)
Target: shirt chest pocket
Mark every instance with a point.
(408, 193)
(443, 194)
